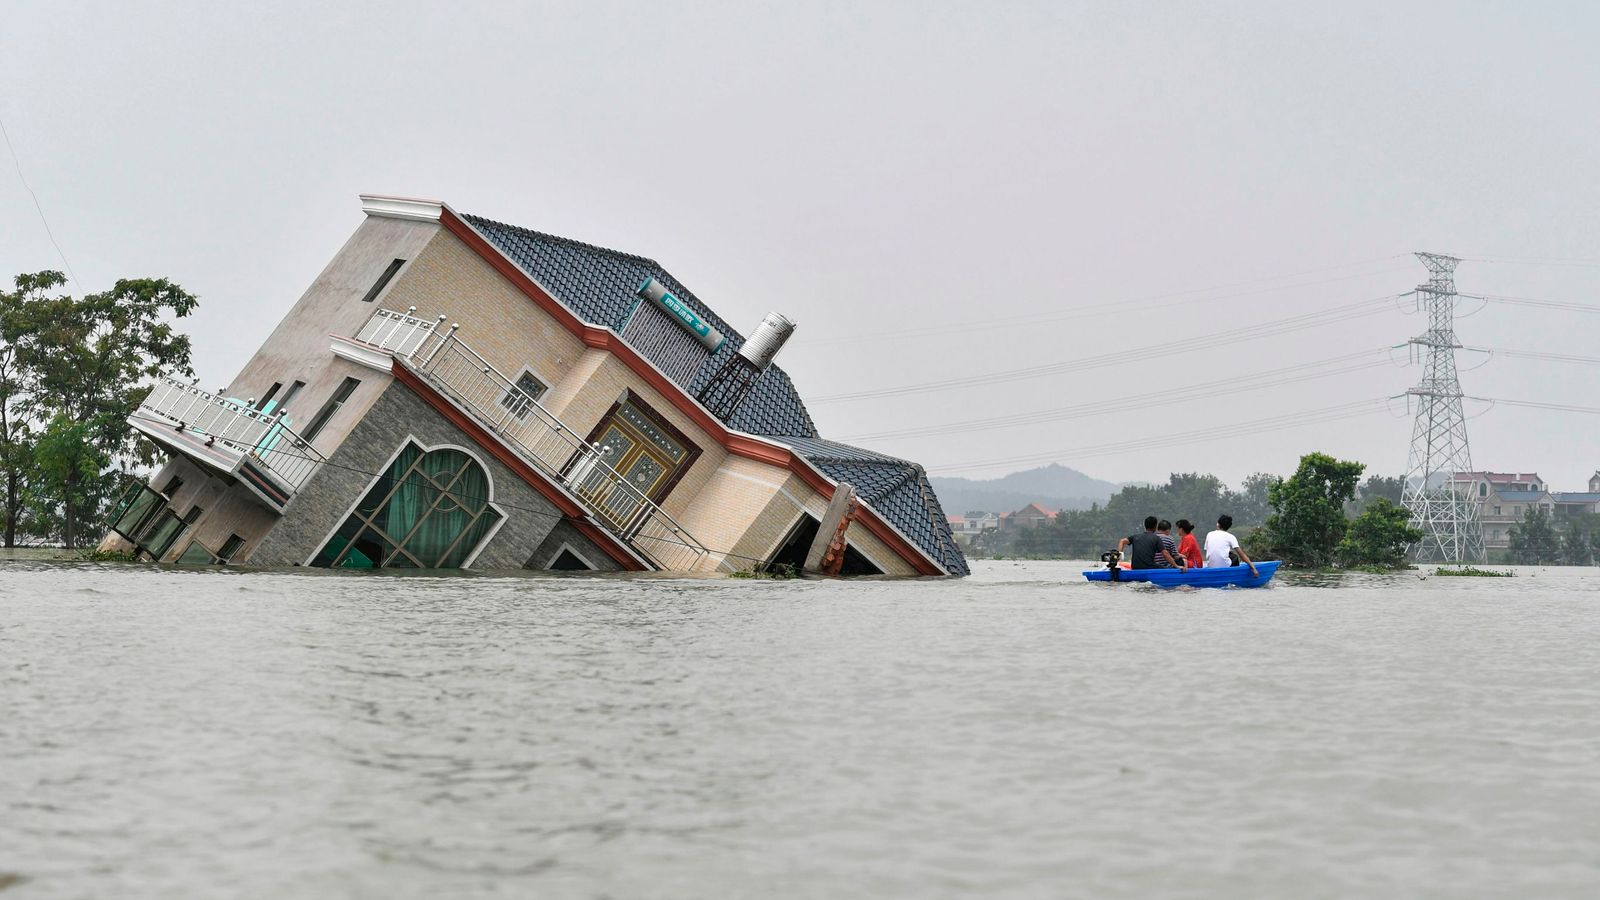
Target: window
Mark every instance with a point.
(267, 398)
(289, 395)
(1516, 510)
(429, 510)
(531, 388)
(383, 281)
(195, 512)
(1483, 489)
(567, 561)
(346, 388)
(171, 490)
(230, 547)
(1497, 510)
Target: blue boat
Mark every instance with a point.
(1220, 577)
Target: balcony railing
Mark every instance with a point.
(263, 438)
(519, 420)
(399, 333)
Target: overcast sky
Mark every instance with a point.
(1015, 185)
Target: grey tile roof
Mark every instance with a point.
(897, 488)
(599, 285)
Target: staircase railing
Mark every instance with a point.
(555, 449)
(264, 438)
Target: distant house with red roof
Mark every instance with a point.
(1030, 516)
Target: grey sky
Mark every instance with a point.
(871, 166)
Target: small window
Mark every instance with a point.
(567, 561)
(1497, 510)
(289, 395)
(171, 490)
(383, 281)
(195, 512)
(230, 547)
(267, 397)
(531, 388)
(346, 388)
(1483, 489)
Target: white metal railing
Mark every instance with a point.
(264, 438)
(399, 333)
(556, 450)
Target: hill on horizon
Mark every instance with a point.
(1054, 486)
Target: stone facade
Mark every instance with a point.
(398, 416)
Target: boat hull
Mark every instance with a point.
(1224, 576)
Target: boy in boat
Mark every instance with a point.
(1189, 546)
(1147, 550)
(1222, 547)
(1169, 544)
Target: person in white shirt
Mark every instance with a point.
(1220, 545)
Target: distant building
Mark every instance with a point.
(1030, 516)
(1504, 498)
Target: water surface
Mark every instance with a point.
(169, 733)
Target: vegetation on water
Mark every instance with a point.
(774, 572)
(72, 369)
(107, 556)
(1473, 572)
(1310, 526)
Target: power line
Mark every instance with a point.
(1099, 308)
(1222, 388)
(1186, 344)
(1216, 432)
(17, 161)
(1535, 404)
(1536, 302)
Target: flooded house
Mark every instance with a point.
(454, 392)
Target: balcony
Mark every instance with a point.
(459, 373)
(260, 451)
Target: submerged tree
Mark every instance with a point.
(86, 363)
(1534, 541)
(1308, 520)
(1379, 536)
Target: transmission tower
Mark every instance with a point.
(1442, 508)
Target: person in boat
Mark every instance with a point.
(1222, 548)
(1146, 549)
(1189, 545)
(1169, 544)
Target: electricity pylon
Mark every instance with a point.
(1440, 507)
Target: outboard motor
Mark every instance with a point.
(1112, 558)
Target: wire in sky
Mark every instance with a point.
(1536, 302)
(1184, 344)
(1212, 433)
(17, 161)
(1338, 365)
(1100, 307)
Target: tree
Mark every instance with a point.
(1576, 549)
(86, 362)
(1376, 487)
(1250, 503)
(1534, 542)
(1379, 536)
(1308, 520)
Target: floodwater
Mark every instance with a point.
(169, 733)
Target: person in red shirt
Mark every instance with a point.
(1188, 546)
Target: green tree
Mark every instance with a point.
(1377, 487)
(1576, 549)
(1379, 536)
(87, 362)
(16, 420)
(1534, 542)
(1308, 520)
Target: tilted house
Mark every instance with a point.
(456, 392)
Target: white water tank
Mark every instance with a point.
(768, 339)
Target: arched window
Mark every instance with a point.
(429, 510)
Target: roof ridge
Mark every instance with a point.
(570, 242)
